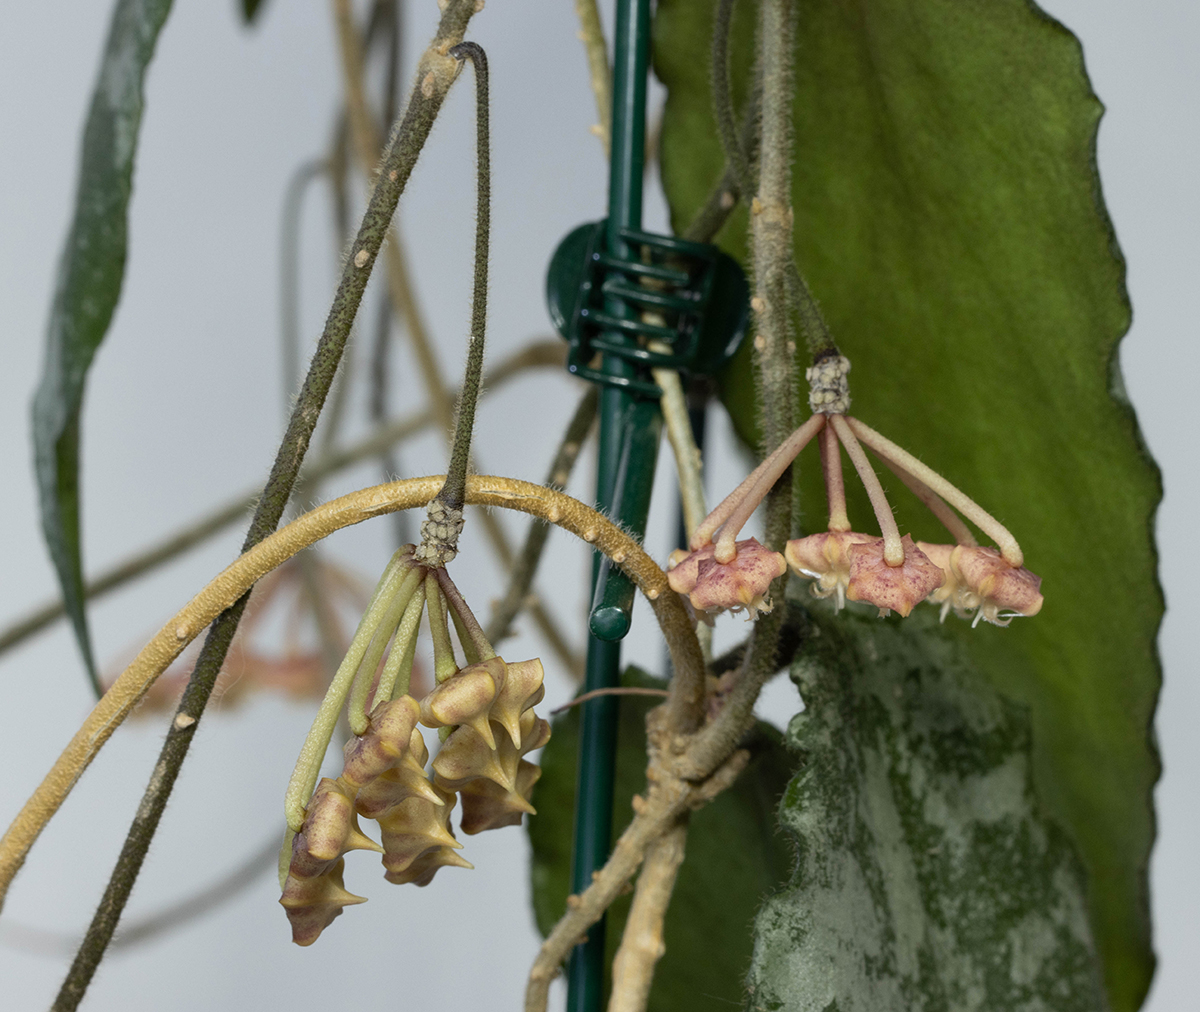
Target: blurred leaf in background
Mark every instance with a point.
(87, 289)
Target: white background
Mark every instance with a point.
(184, 409)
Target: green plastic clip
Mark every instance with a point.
(689, 298)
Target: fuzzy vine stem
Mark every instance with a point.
(722, 92)
(402, 155)
(460, 451)
(366, 144)
(506, 493)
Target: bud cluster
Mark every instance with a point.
(483, 712)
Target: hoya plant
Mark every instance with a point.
(892, 270)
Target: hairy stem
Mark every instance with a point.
(725, 195)
(722, 93)
(402, 155)
(405, 302)
(505, 493)
(460, 451)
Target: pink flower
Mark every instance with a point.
(853, 566)
(825, 558)
(979, 580)
(712, 587)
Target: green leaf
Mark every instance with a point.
(927, 879)
(250, 10)
(949, 219)
(87, 289)
(735, 855)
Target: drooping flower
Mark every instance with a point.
(979, 581)
(825, 558)
(742, 583)
(314, 892)
(483, 711)
(853, 566)
(891, 588)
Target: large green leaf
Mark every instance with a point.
(87, 289)
(927, 880)
(949, 220)
(735, 856)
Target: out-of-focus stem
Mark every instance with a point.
(523, 572)
(591, 34)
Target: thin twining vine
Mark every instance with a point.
(436, 73)
(404, 300)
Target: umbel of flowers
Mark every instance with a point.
(483, 711)
(720, 573)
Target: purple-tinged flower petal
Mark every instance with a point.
(979, 581)
(891, 588)
(712, 587)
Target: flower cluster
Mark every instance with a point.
(483, 712)
(888, 571)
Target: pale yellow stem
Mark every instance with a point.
(643, 942)
(893, 548)
(688, 462)
(368, 662)
(687, 687)
(1009, 549)
(835, 486)
(591, 34)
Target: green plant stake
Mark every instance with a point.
(627, 301)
